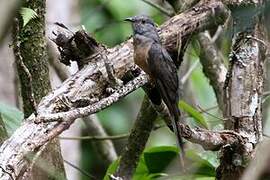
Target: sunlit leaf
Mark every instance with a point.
(27, 14)
(193, 113)
(11, 116)
(111, 169)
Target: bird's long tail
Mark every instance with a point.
(179, 140)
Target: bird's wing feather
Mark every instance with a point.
(164, 71)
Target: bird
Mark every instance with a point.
(154, 60)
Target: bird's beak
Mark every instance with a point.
(129, 19)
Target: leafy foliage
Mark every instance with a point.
(27, 15)
(193, 113)
(154, 161)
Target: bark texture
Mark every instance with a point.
(94, 128)
(92, 82)
(243, 103)
(32, 67)
(213, 66)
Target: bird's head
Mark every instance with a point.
(142, 24)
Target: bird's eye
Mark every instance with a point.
(143, 21)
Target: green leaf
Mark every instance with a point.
(153, 161)
(191, 177)
(141, 170)
(158, 158)
(111, 169)
(202, 167)
(151, 164)
(27, 14)
(193, 113)
(11, 116)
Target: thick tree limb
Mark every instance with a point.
(239, 2)
(91, 82)
(210, 140)
(213, 66)
(243, 102)
(104, 148)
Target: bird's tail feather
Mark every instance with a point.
(179, 140)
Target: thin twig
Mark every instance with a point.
(158, 7)
(97, 138)
(258, 40)
(217, 34)
(73, 114)
(189, 72)
(204, 111)
(79, 169)
(266, 93)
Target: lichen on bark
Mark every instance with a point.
(31, 59)
(32, 47)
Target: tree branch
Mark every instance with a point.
(97, 138)
(243, 91)
(210, 140)
(104, 148)
(91, 82)
(158, 7)
(213, 66)
(137, 140)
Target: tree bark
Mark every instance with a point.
(32, 67)
(213, 66)
(243, 102)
